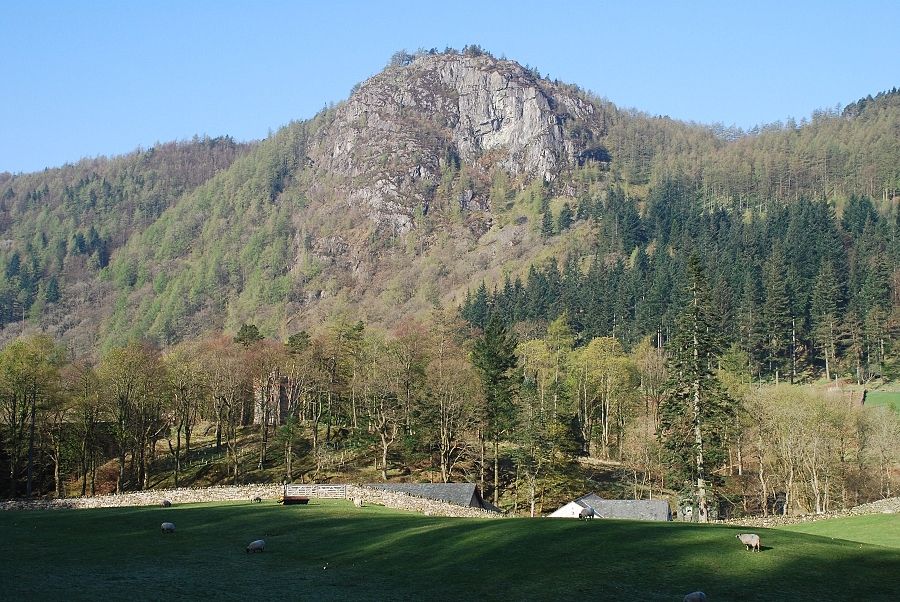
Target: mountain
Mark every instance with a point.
(443, 171)
(391, 142)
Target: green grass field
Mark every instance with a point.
(878, 529)
(330, 550)
(889, 399)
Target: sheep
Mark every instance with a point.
(357, 501)
(167, 527)
(257, 546)
(751, 540)
(586, 514)
(256, 500)
(166, 504)
(695, 597)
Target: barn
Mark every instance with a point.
(461, 494)
(622, 509)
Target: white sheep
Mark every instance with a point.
(586, 514)
(357, 501)
(166, 503)
(695, 597)
(167, 527)
(751, 540)
(257, 546)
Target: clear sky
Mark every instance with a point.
(101, 77)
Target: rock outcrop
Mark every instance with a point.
(389, 142)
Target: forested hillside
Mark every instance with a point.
(474, 271)
(61, 227)
(335, 212)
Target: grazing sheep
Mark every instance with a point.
(357, 501)
(167, 527)
(256, 500)
(166, 503)
(751, 540)
(695, 597)
(257, 546)
(586, 514)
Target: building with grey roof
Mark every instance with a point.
(461, 494)
(622, 509)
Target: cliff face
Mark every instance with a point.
(390, 141)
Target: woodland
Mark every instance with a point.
(693, 313)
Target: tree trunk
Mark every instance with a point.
(496, 472)
(57, 481)
(30, 471)
(289, 457)
(84, 467)
(481, 463)
(120, 481)
(703, 514)
(532, 494)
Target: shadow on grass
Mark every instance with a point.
(332, 551)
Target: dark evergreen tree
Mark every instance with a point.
(247, 335)
(495, 359)
(298, 342)
(566, 217)
(547, 224)
(776, 315)
(51, 293)
(695, 413)
(480, 310)
(750, 320)
(825, 315)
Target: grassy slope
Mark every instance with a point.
(375, 553)
(884, 398)
(879, 529)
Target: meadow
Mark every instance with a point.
(878, 529)
(890, 399)
(330, 550)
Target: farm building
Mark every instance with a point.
(630, 509)
(461, 494)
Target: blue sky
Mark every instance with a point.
(81, 79)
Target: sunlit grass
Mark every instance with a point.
(879, 529)
(332, 551)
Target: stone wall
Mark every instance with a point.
(885, 506)
(399, 501)
(402, 501)
(151, 498)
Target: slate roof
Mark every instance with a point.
(630, 509)
(461, 494)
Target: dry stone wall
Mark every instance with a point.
(399, 501)
(885, 506)
(402, 501)
(150, 498)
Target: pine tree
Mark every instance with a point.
(565, 217)
(51, 293)
(751, 333)
(547, 224)
(695, 412)
(824, 315)
(248, 335)
(494, 356)
(776, 314)
(480, 310)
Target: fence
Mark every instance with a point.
(319, 491)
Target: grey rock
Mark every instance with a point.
(386, 147)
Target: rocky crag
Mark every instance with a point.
(400, 130)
